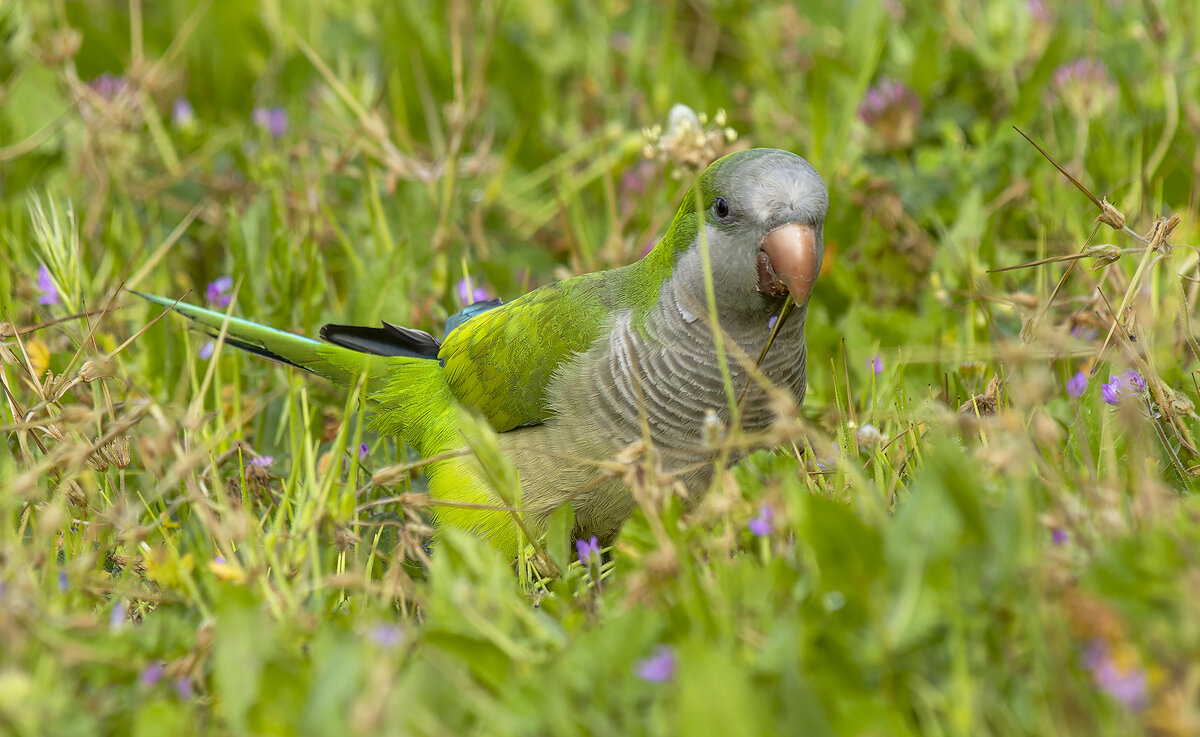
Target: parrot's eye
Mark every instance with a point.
(721, 209)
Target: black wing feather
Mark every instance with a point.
(389, 340)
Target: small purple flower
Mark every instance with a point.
(362, 452)
(771, 322)
(1084, 87)
(588, 552)
(1133, 381)
(1125, 683)
(273, 120)
(1039, 11)
(634, 183)
(1111, 392)
(261, 461)
(1077, 384)
(151, 674)
(1059, 536)
(45, 284)
(219, 560)
(108, 85)
(206, 350)
(761, 525)
(659, 667)
(183, 687)
(892, 111)
(386, 635)
(116, 618)
(182, 114)
(1089, 70)
(634, 180)
(875, 363)
(62, 581)
(217, 291)
(468, 293)
(1130, 382)
(1083, 332)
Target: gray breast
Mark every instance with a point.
(667, 372)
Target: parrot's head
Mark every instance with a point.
(763, 213)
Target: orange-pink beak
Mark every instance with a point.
(789, 262)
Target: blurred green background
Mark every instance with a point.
(1014, 557)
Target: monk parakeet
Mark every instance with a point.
(573, 373)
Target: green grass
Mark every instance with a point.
(1007, 560)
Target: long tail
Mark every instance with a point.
(340, 365)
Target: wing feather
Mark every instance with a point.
(501, 362)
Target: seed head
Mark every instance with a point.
(92, 369)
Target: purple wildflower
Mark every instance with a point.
(362, 452)
(875, 363)
(62, 581)
(261, 461)
(1130, 382)
(761, 525)
(219, 560)
(183, 687)
(771, 322)
(633, 184)
(182, 114)
(273, 120)
(1059, 536)
(1111, 392)
(634, 180)
(206, 350)
(659, 667)
(1083, 332)
(45, 284)
(892, 111)
(1133, 381)
(151, 674)
(589, 552)
(1083, 87)
(116, 618)
(1077, 384)
(386, 635)
(217, 291)
(1085, 69)
(108, 85)
(468, 293)
(1124, 682)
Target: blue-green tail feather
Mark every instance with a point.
(338, 364)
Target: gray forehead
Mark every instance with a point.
(781, 181)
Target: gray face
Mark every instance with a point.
(763, 192)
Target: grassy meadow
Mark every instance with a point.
(982, 522)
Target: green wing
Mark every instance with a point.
(501, 361)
